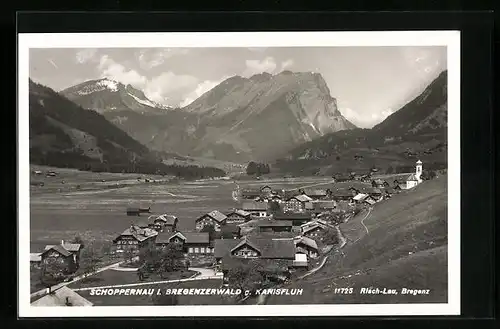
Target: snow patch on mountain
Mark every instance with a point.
(143, 101)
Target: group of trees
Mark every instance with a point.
(256, 168)
(161, 261)
(246, 276)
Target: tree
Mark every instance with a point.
(274, 207)
(210, 229)
(78, 240)
(52, 273)
(330, 237)
(390, 170)
(90, 259)
(246, 276)
(252, 168)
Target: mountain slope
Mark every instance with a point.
(417, 130)
(404, 245)
(234, 121)
(63, 134)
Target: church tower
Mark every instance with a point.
(418, 170)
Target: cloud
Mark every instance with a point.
(365, 121)
(149, 59)
(116, 71)
(85, 55)
(254, 66)
(286, 64)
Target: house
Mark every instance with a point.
(266, 189)
(411, 180)
(66, 254)
(300, 261)
(36, 259)
(296, 203)
(274, 226)
(230, 231)
(190, 242)
(297, 219)
(305, 245)
(369, 201)
(62, 296)
(133, 211)
(238, 216)
(257, 209)
(287, 194)
(166, 223)
(134, 238)
(359, 198)
(315, 194)
(378, 183)
(215, 218)
(254, 247)
(389, 192)
(314, 230)
(341, 194)
(250, 194)
(324, 205)
(144, 209)
(144, 224)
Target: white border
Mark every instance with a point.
(451, 39)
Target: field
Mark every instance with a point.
(401, 243)
(97, 210)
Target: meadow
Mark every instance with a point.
(97, 210)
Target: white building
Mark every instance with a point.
(415, 179)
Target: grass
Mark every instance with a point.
(406, 247)
(112, 277)
(123, 300)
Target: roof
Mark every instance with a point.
(370, 201)
(239, 212)
(307, 241)
(360, 197)
(273, 235)
(401, 186)
(268, 248)
(188, 237)
(133, 209)
(168, 219)
(269, 223)
(341, 192)
(266, 186)
(142, 224)
(419, 162)
(301, 198)
(35, 257)
(249, 192)
(300, 257)
(411, 177)
(327, 204)
(378, 181)
(268, 265)
(71, 247)
(59, 297)
(389, 190)
(313, 226)
(375, 191)
(292, 216)
(315, 192)
(254, 206)
(215, 215)
(138, 233)
(59, 248)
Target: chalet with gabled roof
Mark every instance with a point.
(341, 194)
(165, 223)
(266, 189)
(65, 254)
(315, 194)
(256, 209)
(315, 229)
(250, 194)
(255, 247)
(305, 245)
(190, 242)
(238, 216)
(134, 238)
(215, 218)
(274, 225)
(296, 203)
(297, 219)
(62, 296)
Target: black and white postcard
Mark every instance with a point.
(239, 174)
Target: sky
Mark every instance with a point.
(369, 83)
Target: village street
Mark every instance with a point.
(202, 274)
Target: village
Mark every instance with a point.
(278, 234)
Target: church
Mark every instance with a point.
(414, 179)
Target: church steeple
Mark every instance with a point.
(418, 170)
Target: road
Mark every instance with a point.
(75, 279)
(203, 274)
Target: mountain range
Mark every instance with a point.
(234, 121)
(416, 131)
(63, 134)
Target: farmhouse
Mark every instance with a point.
(369, 201)
(378, 183)
(305, 245)
(375, 193)
(166, 223)
(250, 194)
(296, 203)
(266, 189)
(66, 254)
(62, 296)
(297, 219)
(191, 242)
(359, 198)
(274, 226)
(134, 238)
(320, 206)
(314, 230)
(215, 218)
(238, 216)
(341, 194)
(35, 259)
(257, 209)
(315, 194)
